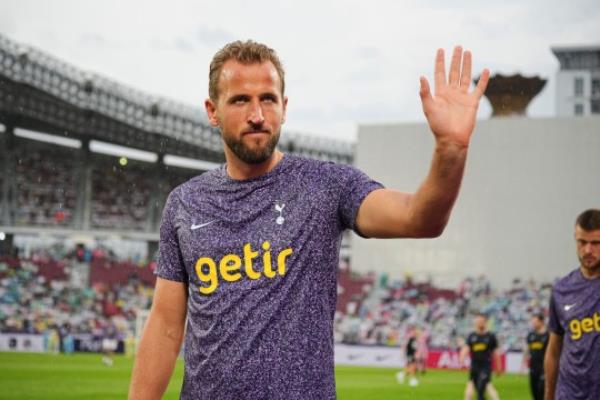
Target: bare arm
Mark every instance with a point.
(462, 356)
(525, 362)
(161, 341)
(498, 362)
(551, 363)
(451, 117)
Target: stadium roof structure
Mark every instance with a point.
(40, 92)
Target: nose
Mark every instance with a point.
(255, 116)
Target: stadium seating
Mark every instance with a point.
(45, 179)
(35, 293)
(120, 198)
(382, 311)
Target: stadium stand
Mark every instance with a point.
(382, 311)
(36, 294)
(46, 186)
(120, 198)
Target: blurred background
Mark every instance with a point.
(101, 117)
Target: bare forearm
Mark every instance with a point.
(551, 363)
(155, 360)
(498, 362)
(462, 356)
(431, 205)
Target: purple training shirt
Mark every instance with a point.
(259, 257)
(575, 315)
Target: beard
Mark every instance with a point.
(249, 155)
(588, 266)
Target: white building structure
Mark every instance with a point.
(578, 80)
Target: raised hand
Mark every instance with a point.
(451, 112)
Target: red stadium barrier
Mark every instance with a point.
(449, 359)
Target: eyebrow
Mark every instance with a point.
(245, 97)
(270, 96)
(238, 97)
(593, 241)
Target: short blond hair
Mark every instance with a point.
(248, 52)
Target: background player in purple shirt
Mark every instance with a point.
(249, 252)
(572, 362)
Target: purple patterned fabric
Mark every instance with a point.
(575, 315)
(260, 258)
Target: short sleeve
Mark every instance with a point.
(170, 263)
(355, 186)
(554, 321)
(493, 342)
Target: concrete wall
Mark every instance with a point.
(525, 183)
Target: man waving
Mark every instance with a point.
(249, 252)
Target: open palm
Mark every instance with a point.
(452, 110)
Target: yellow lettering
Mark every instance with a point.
(210, 278)
(230, 267)
(250, 255)
(479, 347)
(281, 261)
(587, 325)
(597, 322)
(227, 266)
(268, 268)
(575, 327)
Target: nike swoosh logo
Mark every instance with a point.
(198, 226)
(569, 306)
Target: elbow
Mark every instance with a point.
(430, 232)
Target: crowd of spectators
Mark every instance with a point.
(46, 186)
(41, 292)
(381, 311)
(120, 198)
(51, 188)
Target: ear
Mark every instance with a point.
(285, 102)
(211, 112)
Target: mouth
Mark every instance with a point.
(588, 261)
(254, 132)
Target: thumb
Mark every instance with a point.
(425, 91)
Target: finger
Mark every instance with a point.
(425, 93)
(483, 82)
(465, 75)
(454, 76)
(440, 70)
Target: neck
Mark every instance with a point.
(240, 170)
(590, 273)
(541, 329)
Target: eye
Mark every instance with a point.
(268, 98)
(238, 100)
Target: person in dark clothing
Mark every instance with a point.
(537, 342)
(482, 346)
